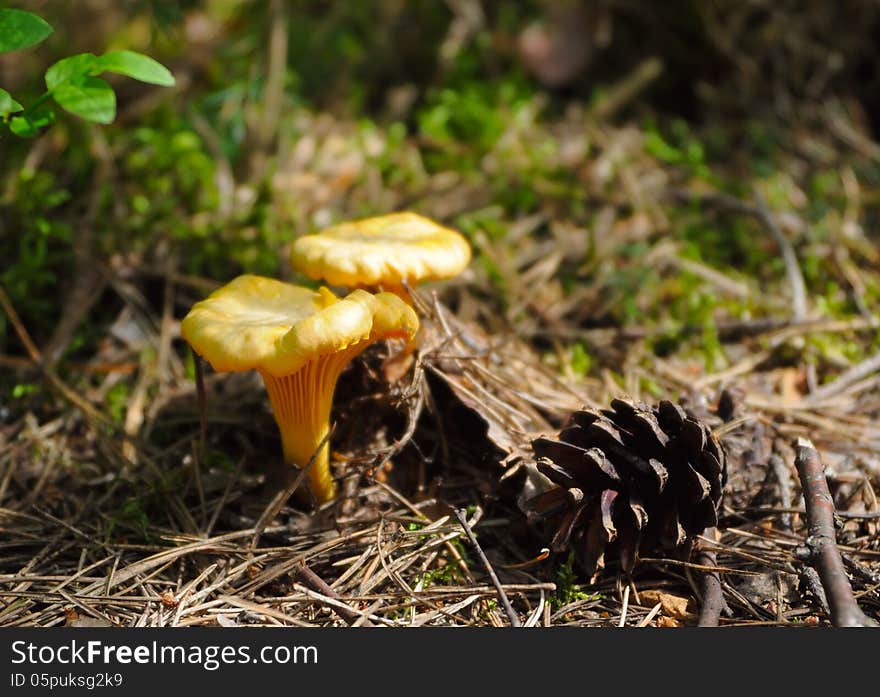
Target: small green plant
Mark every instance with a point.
(449, 572)
(580, 360)
(72, 83)
(117, 401)
(679, 147)
(131, 517)
(567, 590)
(24, 389)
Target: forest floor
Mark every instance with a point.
(612, 257)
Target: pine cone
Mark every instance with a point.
(631, 478)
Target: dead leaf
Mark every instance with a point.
(168, 599)
(671, 606)
(395, 367)
(663, 621)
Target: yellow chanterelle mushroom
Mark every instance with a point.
(382, 252)
(299, 340)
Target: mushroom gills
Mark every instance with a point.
(301, 402)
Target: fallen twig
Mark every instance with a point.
(49, 374)
(203, 403)
(814, 584)
(281, 497)
(89, 279)
(502, 596)
(623, 92)
(845, 379)
(860, 570)
(780, 471)
(713, 597)
(758, 210)
(821, 541)
(309, 578)
(789, 258)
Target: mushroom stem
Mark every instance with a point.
(301, 403)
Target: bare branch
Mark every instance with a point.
(502, 596)
(713, 599)
(309, 578)
(821, 540)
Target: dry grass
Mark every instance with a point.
(391, 550)
(133, 521)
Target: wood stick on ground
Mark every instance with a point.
(813, 583)
(841, 382)
(309, 578)
(277, 503)
(859, 570)
(713, 597)
(502, 596)
(759, 211)
(780, 472)
(89, 279)
(623, 92)
(821, 540)
(789, 258)
(20, 329)
(49, 374)
(203, 404)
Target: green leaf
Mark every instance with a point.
(23, 127)
(28, 125)
(90, 98)
(79, 66)
(7, 104)
(137, 66)
(20, 29)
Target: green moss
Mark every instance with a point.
(580, 361)
(116, 400)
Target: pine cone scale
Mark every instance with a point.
(698, 487)
(563, 534)
(660, 472)
(646, 430)
(556, 474)
(585, 464)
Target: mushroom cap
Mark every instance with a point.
(387, 250)
(255, 322)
